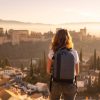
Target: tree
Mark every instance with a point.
(44, 61)
(22, 67)
(43, 74)
(3, 65)
(98, 63)
(31, 72)
(81, 55)
(90, 62)
(6, 62)
(6, 33)
(99, 82)
(95, 57)
(31, 76)
(89, 84)
(81, 59)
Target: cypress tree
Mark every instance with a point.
(81, 55)
(43, 63)
(89, 84)
(44, 56)
(31, 70)
(6, 33)
(44, 77)
(99, 82)
(98, 63)
(81, 59)
(6, 62)
(22, 67)
(95, 61)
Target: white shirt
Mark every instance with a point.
(73, 51)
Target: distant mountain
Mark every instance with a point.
(92, 27)
(11, 21)
(29, 23)
(12, 24)
(82, 23)
(19, 22)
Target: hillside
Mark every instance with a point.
(26, 50)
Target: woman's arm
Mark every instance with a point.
(77, 69)
(49, 64)
(50, 61)
(76, 63)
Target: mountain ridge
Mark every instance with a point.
(21, 22)
(31, 23)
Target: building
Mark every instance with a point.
(94, 76)
(48, 35)
(36, 35)
(83, 31)
(82, 34)
(75, 35)
(18, 35)
(57, 29)
(89, 37)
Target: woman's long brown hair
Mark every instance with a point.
(61, 39)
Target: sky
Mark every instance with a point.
(50, 11)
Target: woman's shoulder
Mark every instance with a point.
(74, 51)
(51, 51)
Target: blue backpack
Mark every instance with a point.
(63, 65)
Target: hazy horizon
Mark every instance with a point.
(92, 29)
(53, 12)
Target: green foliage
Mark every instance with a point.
(89, 84)
(6, 32)
(92, 88)
(22, 67)
(44, 63)
(31, 70)
(81, 55)
(38, 73)
(98, 63)
(4, 63)
(31, 78)
(95, 60)
(43, 73)
(81, 59)
(99, 82)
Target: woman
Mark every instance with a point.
(62, 39)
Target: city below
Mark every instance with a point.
(16, 36)
(27, 80)
(33, 37)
